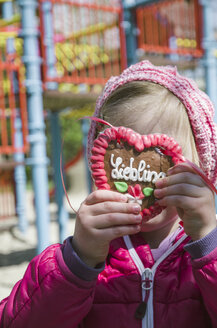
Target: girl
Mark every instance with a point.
(113, 273)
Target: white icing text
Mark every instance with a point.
(142, 173)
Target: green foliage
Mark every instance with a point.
(72, 137)
(71, 134)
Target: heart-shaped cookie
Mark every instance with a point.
(130, 163)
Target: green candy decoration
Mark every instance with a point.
(147, 191)
(121, 186)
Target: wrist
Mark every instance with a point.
(88, 260)
(200, 248)
(76, 265)
(203, 232)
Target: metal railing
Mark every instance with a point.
(88, 40)
(13, 119)
(12, 101)
(170, 27)
(7, 193)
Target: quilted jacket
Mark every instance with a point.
(179, 291)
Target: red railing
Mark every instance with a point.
(89, 41)
(170, 27)
(12, 101)
(7, 194)
(12, 107)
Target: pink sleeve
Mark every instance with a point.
(49, 295)
(205, 272)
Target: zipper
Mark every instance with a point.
(145, 309)
(147, 284)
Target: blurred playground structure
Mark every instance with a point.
(55, 57)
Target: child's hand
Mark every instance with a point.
(102, 217)
(193, 199)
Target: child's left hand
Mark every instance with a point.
(193, 199)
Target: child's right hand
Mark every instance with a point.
(102, 217)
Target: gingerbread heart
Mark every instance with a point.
(130, 163)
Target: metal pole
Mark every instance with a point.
(132, 4)
(54, 120)
(59, 192)
(49, 44)
(131, 31)
(85, 128)
(37, 138)
(210, 46)
(209, 60)
(19, 171)
(20, 179)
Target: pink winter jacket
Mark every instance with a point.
(59, 291)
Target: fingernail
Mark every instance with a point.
(136, 208)
(157, 193)
(138, 218)
(159, 183)
(138, 228)
(170, 171)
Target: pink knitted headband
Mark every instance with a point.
(198, 105)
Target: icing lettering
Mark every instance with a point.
(142, 173)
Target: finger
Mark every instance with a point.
(114, 207)
(178, 178)
(99, 196)
(182, 167)
(181, 189)
(116, 219)
(183, 202)
(191, 166)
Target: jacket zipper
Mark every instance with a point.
(147, 280)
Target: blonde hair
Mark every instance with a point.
(148, 107)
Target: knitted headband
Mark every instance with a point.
(199, 108)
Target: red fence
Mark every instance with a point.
(12, 105)
(7, 194)
(89, 41)
(12, 100)
(173, 26)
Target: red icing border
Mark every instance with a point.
(167, 145)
